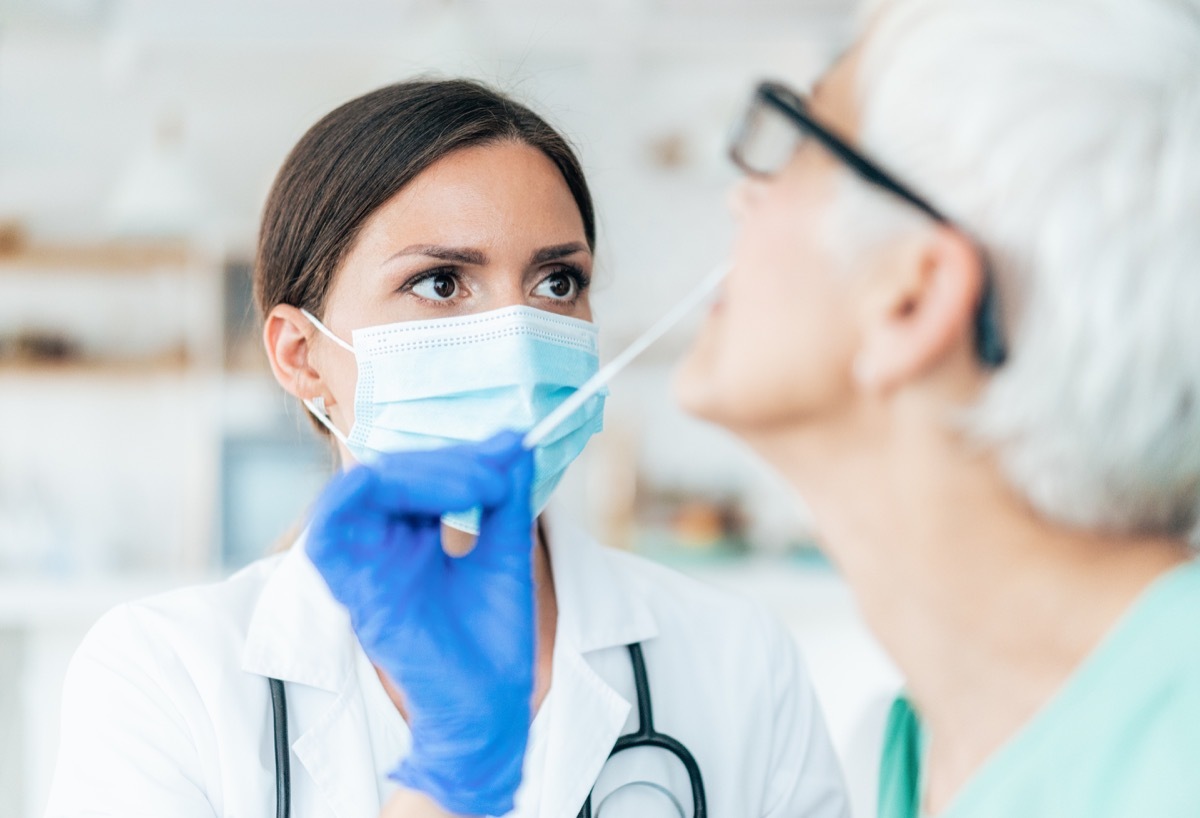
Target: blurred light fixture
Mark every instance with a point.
(158, 194)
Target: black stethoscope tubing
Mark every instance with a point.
(283, 751)
(647, 736)
(644, 736)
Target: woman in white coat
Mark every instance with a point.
(960, 320)
(422, 272)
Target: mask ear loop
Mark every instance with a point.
(317, 405)
(317, 408)
(324, 330)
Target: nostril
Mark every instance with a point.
(739, 198)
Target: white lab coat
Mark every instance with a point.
(167, 710)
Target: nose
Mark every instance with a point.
(514, 291)
(742, 196)
(506, 287)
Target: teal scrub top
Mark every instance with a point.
(1120, 739)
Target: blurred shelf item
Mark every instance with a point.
(671, 552)
(123, 305)
(13, 238)
(735, 554)
(144, 421)
(18, 254)
(73, 366)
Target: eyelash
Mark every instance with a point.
(582, 280)
(453, 273)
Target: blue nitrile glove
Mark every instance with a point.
(456, 634)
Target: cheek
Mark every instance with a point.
(339, 378)
(779, 345)
(582, 308)
(342, 383)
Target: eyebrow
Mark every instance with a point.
(469, 255)
(463, 255)
(557, 251)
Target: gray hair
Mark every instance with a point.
(1065, 136)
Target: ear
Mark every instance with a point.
(288, 337)
(920, 310)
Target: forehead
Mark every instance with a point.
(482, 193)
(834, 98)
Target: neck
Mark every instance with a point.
(546, 605)
(986, 607)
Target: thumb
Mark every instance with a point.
(506, 529)
(501, 449)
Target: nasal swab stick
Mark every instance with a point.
(597, 382)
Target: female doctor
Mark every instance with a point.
(994, 416)
(423, 272)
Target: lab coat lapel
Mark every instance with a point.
(300, 634)
(597, 612)
(336, 754)
(586, 721)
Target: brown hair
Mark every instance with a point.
(361, 154)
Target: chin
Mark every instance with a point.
(721, 397)
(692, 393)
(697, 382)
(702, 392)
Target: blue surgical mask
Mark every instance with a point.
(428, 384)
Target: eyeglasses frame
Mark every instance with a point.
(990, 345)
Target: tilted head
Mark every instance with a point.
(1059, 139)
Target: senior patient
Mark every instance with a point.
(976, 178)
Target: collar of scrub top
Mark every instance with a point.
(299, 633)
(990, 343)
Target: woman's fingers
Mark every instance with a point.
(436, 482)
(376, 508)
(506, 530)
(501, 449)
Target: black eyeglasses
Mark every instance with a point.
(775, 124)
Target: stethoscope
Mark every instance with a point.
(644, 736)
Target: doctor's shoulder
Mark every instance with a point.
(206, 621)
(723, 623)
(144, 698)
(740, 673)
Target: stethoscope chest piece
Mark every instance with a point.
(641, 798)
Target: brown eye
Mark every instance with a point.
(559, 286)
(439, 287)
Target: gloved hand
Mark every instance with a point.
(456, 634)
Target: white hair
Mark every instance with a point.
(1065, 136)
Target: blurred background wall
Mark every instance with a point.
(143, 444)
